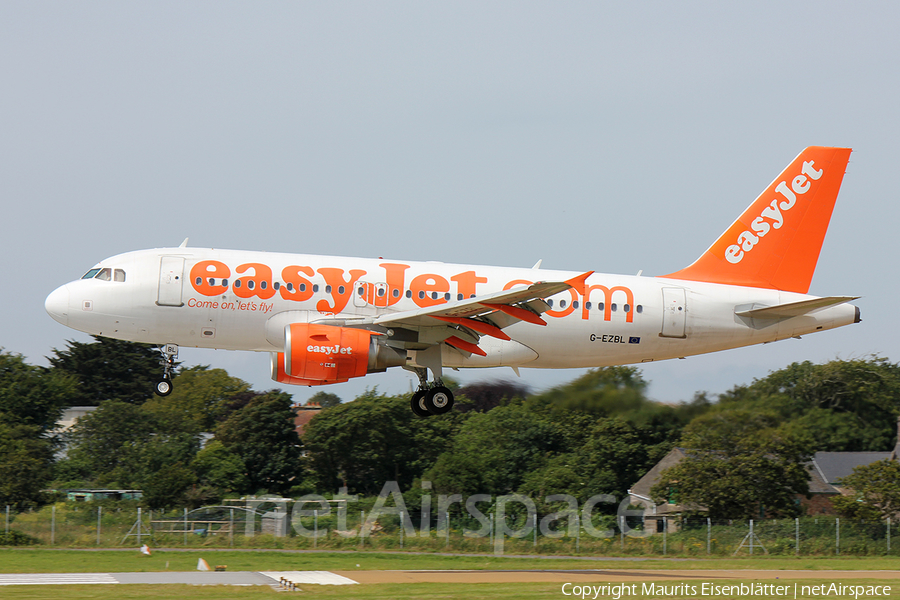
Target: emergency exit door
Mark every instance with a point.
(674, 313)
(171, 280)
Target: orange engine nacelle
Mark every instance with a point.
(322, 354)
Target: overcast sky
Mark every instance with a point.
(614, 137)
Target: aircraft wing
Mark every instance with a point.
(461, 323)
(518, 297)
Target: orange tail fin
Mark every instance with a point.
(776, 242)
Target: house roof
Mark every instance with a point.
(643, 485)
(835, 465)
(825, 469)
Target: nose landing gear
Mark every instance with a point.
(169, 353)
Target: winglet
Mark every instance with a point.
(579, 283)
(775, 243)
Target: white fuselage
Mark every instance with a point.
(243, 301)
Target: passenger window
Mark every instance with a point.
(119, 275)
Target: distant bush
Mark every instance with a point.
(15, 538)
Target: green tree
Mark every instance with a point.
(376, 438)
(483, 396)
(495, 451)
(738, 466)
(841, 405)
(199, 399)
(324, 399)
(874, 491)
(32, 395)
(219, 469)
(262, 434)
(97, 439)
(25, 464)
(124, 445)
(168, 487)
(109, 369)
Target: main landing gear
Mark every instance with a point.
(431, 398)
(169, 353)
(434, 401)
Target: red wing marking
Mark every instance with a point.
(479, 326)
(464, 345)
(519, 313)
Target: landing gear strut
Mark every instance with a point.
(169, 353)
(431, 398)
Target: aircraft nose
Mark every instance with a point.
(57, 304)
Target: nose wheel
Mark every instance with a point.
(164, 386)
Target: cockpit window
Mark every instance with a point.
(106, 274)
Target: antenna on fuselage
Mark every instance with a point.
(184, 243)
(537, 265)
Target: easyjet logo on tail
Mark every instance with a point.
(772, 216)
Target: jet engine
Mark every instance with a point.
(321, 354)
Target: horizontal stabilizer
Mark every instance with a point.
(794, 309)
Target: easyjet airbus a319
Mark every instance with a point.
(326, 319)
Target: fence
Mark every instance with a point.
(87, 525)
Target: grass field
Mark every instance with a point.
(422, 591)
(70, 561)
(15, 560)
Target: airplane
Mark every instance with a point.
(326, 319)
